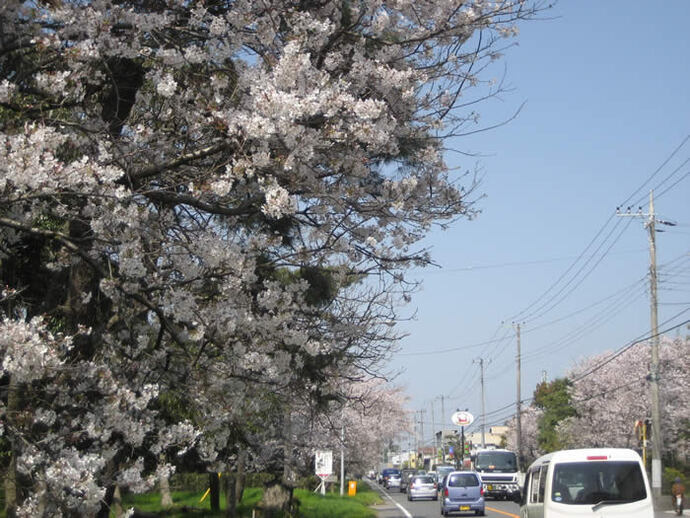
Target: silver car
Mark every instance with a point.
(422, 486)
(462, 493)
(393, 481)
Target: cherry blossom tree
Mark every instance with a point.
(529, 424)
(615, 395)
(207, 210)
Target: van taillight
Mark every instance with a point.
(597, 457)
(481, 490)
(445, 492)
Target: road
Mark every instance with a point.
(396, 506)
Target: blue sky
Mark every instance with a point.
(607, 92)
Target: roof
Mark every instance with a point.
(585, 454)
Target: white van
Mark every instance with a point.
(595, 482)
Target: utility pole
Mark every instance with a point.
(421, 425)
(654, 364)
(443, 421)
(481, 378)
(654, 367)
(518, 405)
(342, 459)
(433, 431)
(421, 435)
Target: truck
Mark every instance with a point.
(499, 472)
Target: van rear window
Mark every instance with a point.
(593, 482)
(463, 480)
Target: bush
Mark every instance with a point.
(258, 479)
(189, 482)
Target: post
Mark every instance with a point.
(443, 420)
(481, 369)
(518, 404)
(657, 440)
(433, 430)
(416, 440)
(462, 448)
(644, 444)
(342, 459)
(654, 366)
(421, 435)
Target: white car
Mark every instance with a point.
(393, 481)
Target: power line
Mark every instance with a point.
(663, 164)
(451, 349)
(622, 350)
(524, 314)
(552, 306)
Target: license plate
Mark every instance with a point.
(490, 488)
(464, 507)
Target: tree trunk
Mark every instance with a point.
(107, 502)
(11, 487)
(230, 492)
(11, 493)
(241, 475)
(117, 502)
(214, 484)
(164, 483)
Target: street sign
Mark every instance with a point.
(462, 418)
(323, 464)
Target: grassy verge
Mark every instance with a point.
(312, 505)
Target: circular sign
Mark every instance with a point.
(462, 418)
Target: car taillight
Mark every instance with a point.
(445, 492)
(435, 485)
(481, 490)
(411, 486)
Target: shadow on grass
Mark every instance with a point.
(311, 505)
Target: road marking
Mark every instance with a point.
(502, 512)
(389, 497)
(405, 512)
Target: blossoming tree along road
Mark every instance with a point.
(207, 212)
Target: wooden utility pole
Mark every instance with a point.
(481, 378)
(656, 438)
(421, 428)
(433, 431)
(342, 459)
(518, 404)
(654, 366)
(443, 422)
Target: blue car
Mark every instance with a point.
(463, 493)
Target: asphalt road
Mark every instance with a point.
(396, 506)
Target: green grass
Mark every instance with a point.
(312, 505)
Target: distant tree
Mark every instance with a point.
(529, 424)
(553, 399)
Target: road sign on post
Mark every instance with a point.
(460, 418)
(323, 467)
